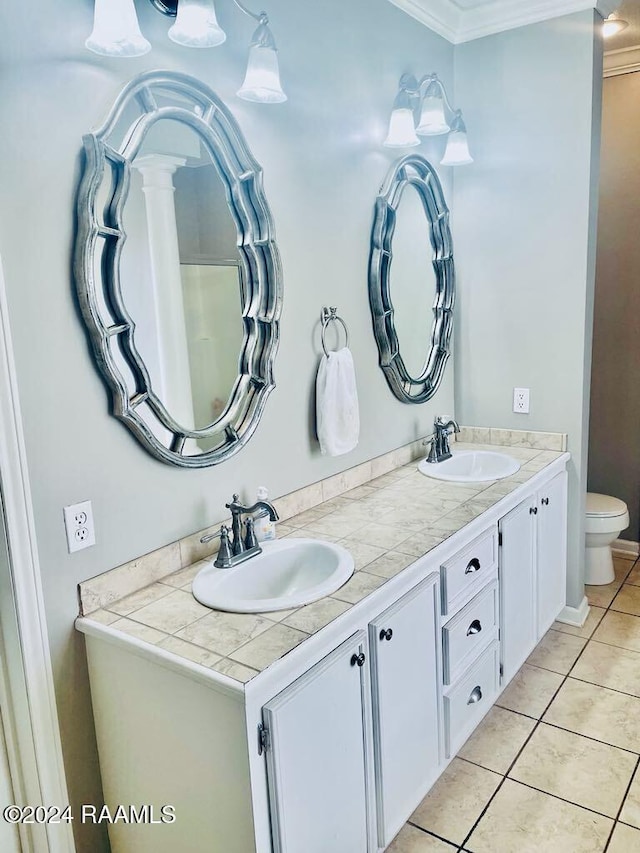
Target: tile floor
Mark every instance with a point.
(554, 766)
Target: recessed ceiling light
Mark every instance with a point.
(613, 25)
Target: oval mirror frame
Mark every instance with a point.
(100, 237)
(415, 170)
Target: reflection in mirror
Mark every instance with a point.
(412, 279)
(181, 257)
(177, 270)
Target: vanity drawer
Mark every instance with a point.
(466, 635)
(464, 574)
(466, 703)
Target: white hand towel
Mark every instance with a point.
(337, 415)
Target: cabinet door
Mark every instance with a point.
(316, 759)
(405, 677)
(518, 632)
(552, 551)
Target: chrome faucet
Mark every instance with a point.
(237, 549)
(439, 449)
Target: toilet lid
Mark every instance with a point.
(604, 505)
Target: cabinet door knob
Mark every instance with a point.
(474, 628)
(472, 566)
(386, 634)
(533, 510)
(358, 660)
(476, 696)
(545, 501)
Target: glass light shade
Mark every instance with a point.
(457, 150)
(262, 80)
(116, 31)
(196, 25)
(432, 121)
(402, 132)
(613, 25)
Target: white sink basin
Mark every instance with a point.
(471, 466)
(288, 573)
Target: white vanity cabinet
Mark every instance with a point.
(532, 563)
(551, 551)
(316, 733)
(316, 763)
(405, 656)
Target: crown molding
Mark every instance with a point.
(458, 25)
(441, 16)
(623, 61)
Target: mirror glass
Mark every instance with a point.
(177, 270)
(412, 279)
(181, 257)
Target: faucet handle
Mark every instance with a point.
(209, 537)
(250, 540)
(223, 560)
(433, 449)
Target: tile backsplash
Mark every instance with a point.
(556, 441)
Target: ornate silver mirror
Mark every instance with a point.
(412, 279)
(177, 270)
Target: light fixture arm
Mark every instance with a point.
(415, 89)
(430, 79)
(261, 17)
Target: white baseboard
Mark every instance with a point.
(575, 616)
(626, 548)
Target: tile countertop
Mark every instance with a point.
(386, 524)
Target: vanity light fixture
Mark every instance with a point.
(116, 32)
(613, 25)
(430, 97)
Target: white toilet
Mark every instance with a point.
(607, 517)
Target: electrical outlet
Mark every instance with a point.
(521, 401)
(78, 521)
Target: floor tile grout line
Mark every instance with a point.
(606, 686)
(624, 799)
(483, 812)
(433, 834)
(564, 799)
(590, 737)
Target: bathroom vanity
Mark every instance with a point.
(331, 746)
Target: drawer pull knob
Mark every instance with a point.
(358, 660)
(476, 696)
(474, 628)
(473, 566)
(533, 510)
(386, 635)
(545, 501)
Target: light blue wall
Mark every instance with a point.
(524, 226)
(323, 165)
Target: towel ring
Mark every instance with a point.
(329, 315)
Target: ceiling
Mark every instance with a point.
(465, 20)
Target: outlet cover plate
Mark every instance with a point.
(521, 401)
(78, 522)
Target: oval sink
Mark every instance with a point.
(288, 573)
(471, 466)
